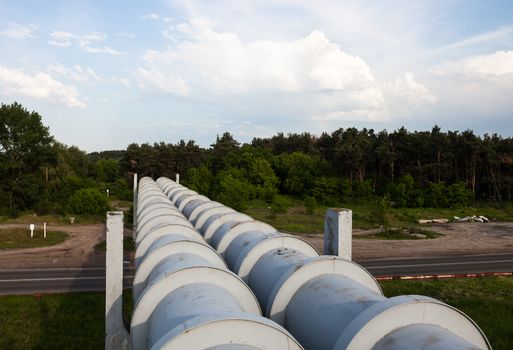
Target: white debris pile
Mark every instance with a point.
(473, 218)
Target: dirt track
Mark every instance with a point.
(458, 239)
(76, 251)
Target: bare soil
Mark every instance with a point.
(76, 251)
(458, 239)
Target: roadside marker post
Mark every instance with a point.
(44, 230)
(32, 227)
(177, 178)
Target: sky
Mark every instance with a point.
(104, 74)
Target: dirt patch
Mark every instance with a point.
(77, 251)
(457, 239)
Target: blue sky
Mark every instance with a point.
(104, 74)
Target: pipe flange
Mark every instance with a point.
(180, 246)
(256, 249)
(213, 223)
(174, 229)
(206, 214)
(386, 316)
(227, 232)
(214, 331)
(298, 275)
(166, 283)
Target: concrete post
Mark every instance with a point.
(177, 178)
(338, 226)
(116, 336)
(134, 206)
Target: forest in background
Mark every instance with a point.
(402, 168)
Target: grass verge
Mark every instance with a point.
(297, 220)
(128, 245)
(20, 238)
(487, 300)
(76, 321)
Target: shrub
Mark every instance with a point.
(89, 201)
(310, 204)
(280, 205)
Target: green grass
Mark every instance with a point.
(401, 233)
(76, 321)
(59, 321)
(487, 300)
(297, 219)
(128, 245)
(20, 238)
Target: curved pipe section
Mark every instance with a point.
(184, 295)
(326, 302)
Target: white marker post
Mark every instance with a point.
(338, 227)
(177, 178)
(44, 230)
(32, 227)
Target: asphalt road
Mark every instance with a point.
(60, 280)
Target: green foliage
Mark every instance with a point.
(199, 180)
(233, 189)
(25, 148)
(106, 170)
(120, 189)
(310, 204)
(89, 201)
(326, 190)
(378, 213)
(280, 205)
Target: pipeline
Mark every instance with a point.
(184, 295)
(325, 302)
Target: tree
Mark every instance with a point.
(25, 149)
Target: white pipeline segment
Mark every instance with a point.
(184, 295)
(327, 302)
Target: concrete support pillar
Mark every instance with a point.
(116, 336)
(134, 206)
(338, 227)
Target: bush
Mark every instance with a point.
(310, 205)
(88, 201)
(280, 205)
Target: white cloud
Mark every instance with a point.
(405, 95)
(336, 84)
(61, 39)
(19, 31)
(158, 81)
(40, 85)
(150, 17)
(495, 64)
(85, 42)
(126, 35)
(76, 73)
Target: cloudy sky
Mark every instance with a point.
(104, 74)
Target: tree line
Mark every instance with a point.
(405, 168)
(410, 169)
(42, 175)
